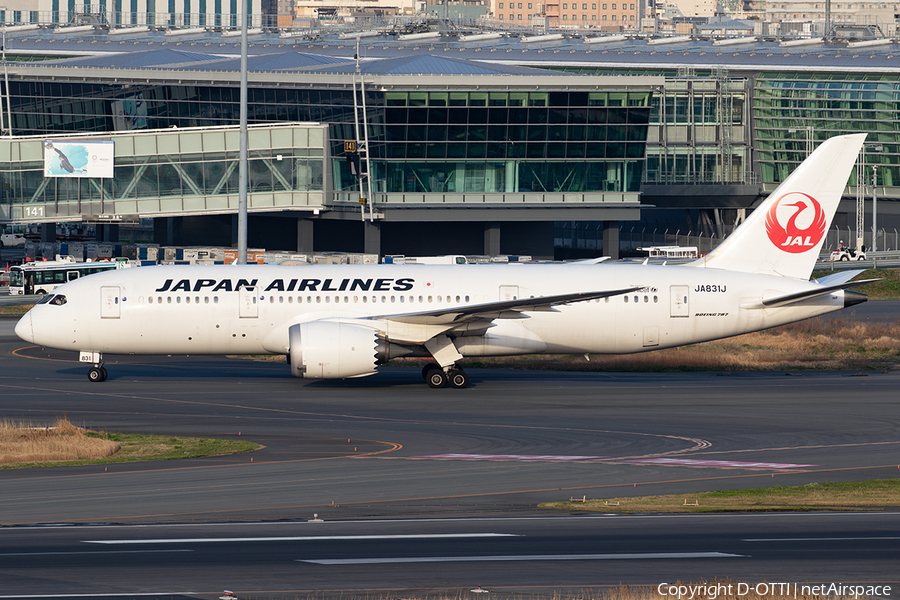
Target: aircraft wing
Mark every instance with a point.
(507, 309)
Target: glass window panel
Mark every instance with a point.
(478, 115)
(437, 150)
(478, 98)
(458, 99)
(537, 99)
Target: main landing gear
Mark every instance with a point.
(436, 377)
(443, 371)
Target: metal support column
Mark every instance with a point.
(611, 239)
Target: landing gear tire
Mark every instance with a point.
(427, 368)
(97, 374)
(436, 378)
(458, 379)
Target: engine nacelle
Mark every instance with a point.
(331, 350)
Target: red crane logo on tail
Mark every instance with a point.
(791, 238)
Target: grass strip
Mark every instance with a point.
(875, 494)
(27, 446)
(15, 309)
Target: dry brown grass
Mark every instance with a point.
(716, 589)
(29, 443)
(728, 589)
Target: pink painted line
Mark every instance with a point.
(546, 457)
(690, 462)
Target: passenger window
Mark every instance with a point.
(150, 299)
(215, 299)
(626, 299)
(178, 300)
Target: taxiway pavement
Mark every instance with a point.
(395, 457)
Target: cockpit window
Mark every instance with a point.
(55, 299)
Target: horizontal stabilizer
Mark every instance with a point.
(839, 277)
(788, 299)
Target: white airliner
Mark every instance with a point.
(341, 321)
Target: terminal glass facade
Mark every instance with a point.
(791, 107)
(463, 141)
(698, 130)
(504, 141)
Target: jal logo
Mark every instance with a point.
(803, 223)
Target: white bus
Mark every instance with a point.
(42, 277)
(670, 252)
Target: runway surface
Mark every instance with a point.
(461, 470)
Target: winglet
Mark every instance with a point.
(783, 236)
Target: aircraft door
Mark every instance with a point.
(651, 336)
(679, 301)
(509, 292)
(249, 303)
(110, 302)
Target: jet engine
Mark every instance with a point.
(331, 350)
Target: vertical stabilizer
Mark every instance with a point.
(783, 236)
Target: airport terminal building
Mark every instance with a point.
(474, 148)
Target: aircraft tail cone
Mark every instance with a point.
(853, 298)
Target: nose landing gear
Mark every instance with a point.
(97, 373)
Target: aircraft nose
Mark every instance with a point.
(24, 329)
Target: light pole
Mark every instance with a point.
(874, 208)
(877, 148)
(6, 79)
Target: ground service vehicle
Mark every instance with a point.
(42, 277)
